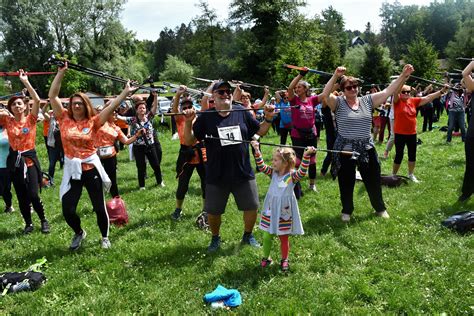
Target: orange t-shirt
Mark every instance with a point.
(121, 124)
(45, 127)
(106, 136)
(180, 121)
(405, 116)
(78, 137)
(21, 135)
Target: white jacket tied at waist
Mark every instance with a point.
(73, 170)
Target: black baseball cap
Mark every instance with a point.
(220, 84)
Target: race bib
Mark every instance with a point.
(231, 133)
(105, 151)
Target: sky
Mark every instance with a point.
(147, 18)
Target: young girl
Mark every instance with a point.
(280, 213)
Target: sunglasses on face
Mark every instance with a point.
(222, 92)
(78, 103)
(353, 87)
(187, 107)
(405, 92)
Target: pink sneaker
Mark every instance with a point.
(265, 262)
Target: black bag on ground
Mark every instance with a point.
(462, 222)
(21, 281)
(393, 181)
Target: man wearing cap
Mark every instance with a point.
(228, 167)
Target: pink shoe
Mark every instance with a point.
(265, 262)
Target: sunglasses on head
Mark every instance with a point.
(353, 87)
(221, 92)
(405, 92)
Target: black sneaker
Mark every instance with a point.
(45, 227)
(77, 240)
(176, 215)
(28, 229)
(250, 240)
(463, 198)
(9, 209)
(215, 244)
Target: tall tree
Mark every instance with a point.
(264, 18)
(462, 45)
(377, 66)
(176, 70)
(332, 22)
(423, 56)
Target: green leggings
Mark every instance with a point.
(267, 245)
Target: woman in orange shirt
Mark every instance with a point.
(22, 159)
(104, 142)
(82, 166)
(405, 125)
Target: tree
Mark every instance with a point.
(330, 54)
(377, 66)
(354, 59)
(332, 23)
(26, 42)
(176, 70)
(462, 45)
(423, 56)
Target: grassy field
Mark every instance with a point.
(405, 265)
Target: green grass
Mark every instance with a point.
(405, 265)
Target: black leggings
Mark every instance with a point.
(110, 167)
(299, 153)
(93, 183)
(400, 141)
(284, 135)
(149, 152)
(6, 187)
(28, 194)
(370, 173)
(185, 176)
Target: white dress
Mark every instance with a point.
(280, 213)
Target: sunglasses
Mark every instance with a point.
(78, 103)
(221, 92)
(405, 92)
(187, 107)
(353, 87)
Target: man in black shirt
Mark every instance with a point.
(228, 168)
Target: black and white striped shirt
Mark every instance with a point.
(354, 124)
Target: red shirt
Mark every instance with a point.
(405, 116)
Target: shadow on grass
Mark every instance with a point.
(251, 275)
(321, 224)
(10, 234)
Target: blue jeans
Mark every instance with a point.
(456, 118)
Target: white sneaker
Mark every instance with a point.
(312, 187)
(175, 136)
(345, 217)
(162, 184)
(358, 176)
(413, 178)
(383, 214)
(142, 188)
(105, 243)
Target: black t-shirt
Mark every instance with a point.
(226, 163)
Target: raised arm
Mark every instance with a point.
(177, 97)
(36, 100)
(430, 97)
(269, 113)
(466, 74)
(261, 165)
(326, 97)
(190, 115)
(205, 98)
(237, 93)
(380, 97)
(108, 111)
(294, 82)
(44, 110)
(54, 91)
(264, 99)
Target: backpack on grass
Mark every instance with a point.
(462, 222)
(117, 211)
(12, 282)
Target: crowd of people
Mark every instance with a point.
(215, 141)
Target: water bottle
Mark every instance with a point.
(218, 304)
(19, 287)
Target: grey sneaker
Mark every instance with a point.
(105, 243)
(77, 240)
(250, 240)
(215, 244)
(28, 229)
(9, 209)
(45, 227)
(176, 215)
